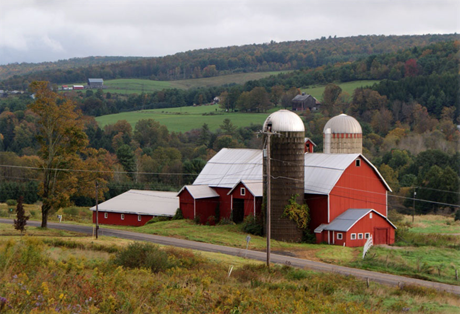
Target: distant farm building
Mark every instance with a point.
(304, 101)
(95, 83)
(136, 207)
(345, 193)
(78, 87)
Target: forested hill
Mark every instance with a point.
(12, 69)
(249, 58)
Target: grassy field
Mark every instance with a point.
(186, 118)
(433, 224)
(349, 87)
(50, 273)
(137, 86)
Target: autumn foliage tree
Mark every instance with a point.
(68, 167)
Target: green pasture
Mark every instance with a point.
(349, 87)
(433, 224)
(184, 119)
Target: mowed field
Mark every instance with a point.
(184, 119)
(137, 86)
(349, 87)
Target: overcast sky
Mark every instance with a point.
(49, 30)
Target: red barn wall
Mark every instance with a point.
(225, 204)
(115, 219)
(205, 208)
(186, 204)
(318, 210)
(358, 187)
(248, 200)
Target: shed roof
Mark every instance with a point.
(199, 191)
(230, 166)
(255, 187)
(156, 203)
(322, 171)
(348, 219)
(95, 80)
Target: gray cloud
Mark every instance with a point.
(48, 30)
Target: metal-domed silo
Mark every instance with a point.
(287, 132)
(343, 135)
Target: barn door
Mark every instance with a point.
(238, 210)
(380, 235)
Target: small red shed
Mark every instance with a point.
(136, 207)
(246, 199)
(309, 145)
(354, 227)
(198, 201)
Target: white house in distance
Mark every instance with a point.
(136, 207)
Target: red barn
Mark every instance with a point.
(136, 207)
(199, 201)
(246, 199)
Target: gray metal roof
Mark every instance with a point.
(199, 191)
(255, 187)
(95, 80)
(230, 166)
(284, 121)
(343, 124)
(156, 203)
(302, 97)
(322, 171)
(348, 219)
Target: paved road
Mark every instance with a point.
(387, 279)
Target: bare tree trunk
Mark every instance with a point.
(45, 211)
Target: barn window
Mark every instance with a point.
(106, 215)
(122, 216)
(139, 218)
(353, 236)
(360, 236)
(358, 162)
(243, 191)
(370, 216)
(367, 235)
(339, 236)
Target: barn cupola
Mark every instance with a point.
(287, 149)
(343, 135)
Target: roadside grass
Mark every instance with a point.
(184, 119)
(349, 87)
(44, 278)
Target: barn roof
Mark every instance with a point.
(255, 187)
(348, 219)
(95, 80)
(230, 166)
(302, 97)
(156, 203)
(322, 171)
(199, 191)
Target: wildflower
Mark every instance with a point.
(3, 303)
(61, 296)
(28, 292)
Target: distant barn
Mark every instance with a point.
(304, 101)
(95, 83)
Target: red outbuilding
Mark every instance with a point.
(136, 207)
(199, 202)
(246, 199)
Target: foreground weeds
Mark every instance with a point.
(34, 281)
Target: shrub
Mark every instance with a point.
(457, 215)
(197, 220)
(3, 213)
(226, 221)
(71, 211)
(11, 202)
(178, 215)
(252, 225)
(143, 255)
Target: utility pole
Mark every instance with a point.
(97, 210)
(413, 207)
